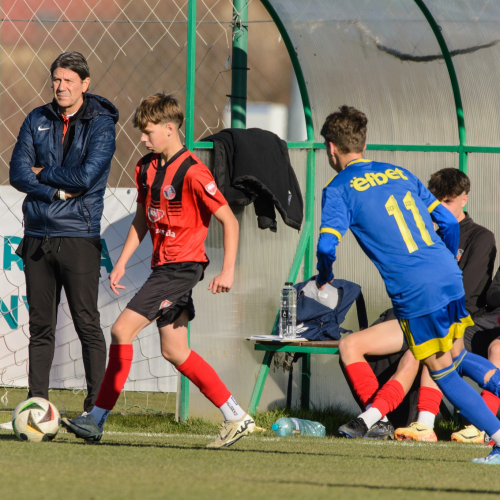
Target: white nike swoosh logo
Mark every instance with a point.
(41, 129)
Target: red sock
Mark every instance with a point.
(492, 401)
(429, 400)
(389, 397)
(120, 360)
(363, 380)
(203, 376)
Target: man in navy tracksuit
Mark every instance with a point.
(61, 161)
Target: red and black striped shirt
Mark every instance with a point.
(179, 199)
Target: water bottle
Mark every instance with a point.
(298, 427)
(288, 311)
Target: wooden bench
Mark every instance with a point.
(270, 348)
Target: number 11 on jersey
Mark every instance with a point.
(393, 209)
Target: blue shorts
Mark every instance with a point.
(435, 332)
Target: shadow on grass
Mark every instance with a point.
(8, 437)
(263, 452)
(382, 488)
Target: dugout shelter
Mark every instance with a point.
(424, 72)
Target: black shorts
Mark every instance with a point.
(167, 292)
(477, 340)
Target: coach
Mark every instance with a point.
(61, 161)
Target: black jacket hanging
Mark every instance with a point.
(253, 165)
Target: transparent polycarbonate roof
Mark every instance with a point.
(384, 58)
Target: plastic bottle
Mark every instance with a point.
(298, 427)
(288, 311)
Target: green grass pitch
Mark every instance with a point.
(152, 457)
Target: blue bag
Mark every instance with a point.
(323, 323)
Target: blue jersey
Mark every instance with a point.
(391, 214)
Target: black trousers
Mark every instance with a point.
(72, 263)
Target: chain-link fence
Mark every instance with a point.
(134, 48)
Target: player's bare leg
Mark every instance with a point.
(174, 340)
(127, 327)
(407, 371)
(384, 338)
(428, 405)
(175, 348)
(385, 400)
(378, 340)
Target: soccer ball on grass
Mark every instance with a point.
(36, 419)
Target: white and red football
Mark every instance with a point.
(36, 419)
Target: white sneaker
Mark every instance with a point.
(7, 426)
(232, 430)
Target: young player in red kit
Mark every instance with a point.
(177, 196)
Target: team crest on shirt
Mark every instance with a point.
(211, 188)
(459, 255)
(165, 303)
(154, 214)
(169, 192)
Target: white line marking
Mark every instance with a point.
(365, 442)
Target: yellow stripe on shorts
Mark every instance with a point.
(432, 346)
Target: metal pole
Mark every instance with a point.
(239, 65)
(310, 198)
(190, 95)
(190, 73)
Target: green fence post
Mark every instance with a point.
(190, 94)
(239, 64)
(309, 213)
(259, 384)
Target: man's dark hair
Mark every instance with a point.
(448, 182)
(73, 61)
(346, 128)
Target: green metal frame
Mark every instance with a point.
(305, 247)
(190, 96)
(239, 64)
(296, 348)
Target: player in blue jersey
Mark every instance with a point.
(391, 214)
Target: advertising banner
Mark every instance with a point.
(150, 371)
